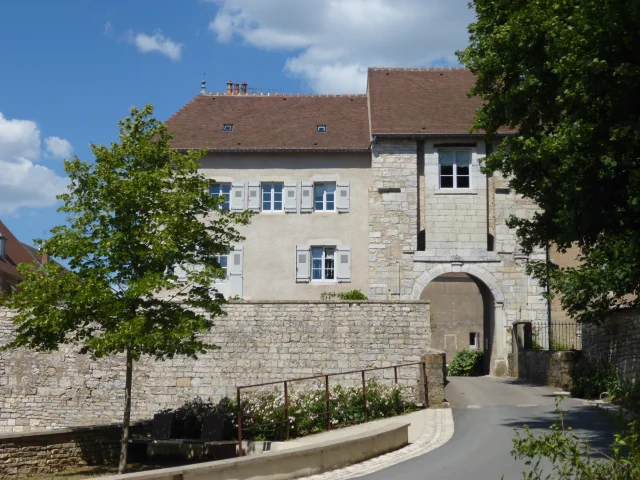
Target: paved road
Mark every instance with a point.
(485, 412)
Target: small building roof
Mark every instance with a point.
(16, 253)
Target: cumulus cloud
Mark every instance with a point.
(23, 183)
(333, 42)
(58, 147)
(155, 43)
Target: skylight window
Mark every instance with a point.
(321, 128)
(227, 127)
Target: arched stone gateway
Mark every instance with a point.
(493, 310)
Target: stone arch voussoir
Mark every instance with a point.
(480, 273)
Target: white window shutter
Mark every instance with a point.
(253, 196)
(236, 202)
(306, 197)
(234, 265)
(343, 262)
(303, 263)
(290, 201)
(343, 197)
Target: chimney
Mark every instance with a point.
(236, 89)
(3, 246)
(203, 88)
(45, 258)
(229, 87)
(244, 88)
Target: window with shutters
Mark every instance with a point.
(221, 190)
(455, 168)
(323, 263)
(324, 197)
(223, 260)
(272, 196)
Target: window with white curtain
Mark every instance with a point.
(455, 168)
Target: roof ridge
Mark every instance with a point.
(425, 69)
(262, 95)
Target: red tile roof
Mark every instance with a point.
(399, 101)
(421, 101)
(16, 253)
(272, 122)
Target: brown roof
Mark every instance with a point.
(16, 253)
(272, 122)
(421, 101)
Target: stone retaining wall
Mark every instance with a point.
(616, 341)
(259, 342)
(544, 367)
(24, 454)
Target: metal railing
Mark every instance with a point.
(561, 336)
(422, 384)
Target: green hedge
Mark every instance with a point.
(465, 363)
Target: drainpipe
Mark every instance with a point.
(548, 255)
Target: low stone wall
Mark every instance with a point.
(616, 341)
(24, 454)
(436, 368)
(259, 342)
(544, 367)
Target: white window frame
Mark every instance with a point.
(225, 267)
(272, 201)
(475, 336)
(324, 258)
(455, 152)
(227, 195)
(324, 196)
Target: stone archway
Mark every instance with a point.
(493, 299)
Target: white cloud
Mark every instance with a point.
(334, 41)
(108, 28)
(23, 183)
(155, 43)
(58, 147)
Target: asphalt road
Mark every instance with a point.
(485, 412)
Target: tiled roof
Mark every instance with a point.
(399, 101)
(421, 101)
(272, 122)
(16, 253)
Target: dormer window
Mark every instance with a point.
(321, 129)
(227, 127)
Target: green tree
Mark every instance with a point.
(137, 211)
(565, 74)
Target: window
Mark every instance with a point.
(227, 127)
(223, 260)
(321, 128)
(272, 196)
(221, 190)
(325, 196)
(322, 263)
(474, 340)
(455, 169)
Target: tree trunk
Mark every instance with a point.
(127, 414)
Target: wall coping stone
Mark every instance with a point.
(11, 437)
(325, 302)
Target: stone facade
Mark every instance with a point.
(462, 231)
(50, 452)
(544, 367)
(616, 341)
(259, 342)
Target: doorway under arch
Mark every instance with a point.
(466, 311)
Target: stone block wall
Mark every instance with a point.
(49, 452)
(259, 342)
(616, 341)
(393, 218)
(544, 367)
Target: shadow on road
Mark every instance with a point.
(596, 426)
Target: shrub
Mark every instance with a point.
(350, 295)
(593, 377)
(466, 362)
(571, 457)
(264, 415)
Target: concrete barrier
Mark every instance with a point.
(291, 463)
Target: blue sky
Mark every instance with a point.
(71, 69)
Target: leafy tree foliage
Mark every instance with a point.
(565, 75)
(136, 212)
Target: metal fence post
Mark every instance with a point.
(239, 424)
(328, 394)
(426, 385)
(286, 408)
(364, 397)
